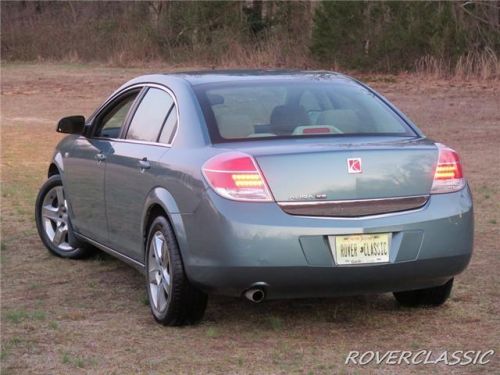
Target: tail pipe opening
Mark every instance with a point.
(256, 293)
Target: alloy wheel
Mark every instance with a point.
(159, 272)
(55, 218)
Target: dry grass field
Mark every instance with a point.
(60, 316)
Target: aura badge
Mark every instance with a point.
(354, 165)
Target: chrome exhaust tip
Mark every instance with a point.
(255, 295)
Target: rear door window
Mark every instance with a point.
(169, 127)
(150, 116)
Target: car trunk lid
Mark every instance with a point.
(348, 169)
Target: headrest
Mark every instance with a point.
(284, 119)
(234, 126)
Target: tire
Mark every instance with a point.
(172, 299)
(435, 296)
(53, 222)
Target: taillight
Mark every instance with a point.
(448, 176)
(235, 175)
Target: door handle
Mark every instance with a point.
(100, 157)
(144, 164)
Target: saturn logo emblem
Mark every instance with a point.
(354, 165)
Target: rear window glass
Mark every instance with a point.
(237, 111)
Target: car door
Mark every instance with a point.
(85, 166)
(132, 170)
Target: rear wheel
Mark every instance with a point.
(173, 300)
(435, 296)
(53, 222)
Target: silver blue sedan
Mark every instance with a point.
(261, 184)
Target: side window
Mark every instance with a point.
(170, 127)
(109, 126)
(150, 116)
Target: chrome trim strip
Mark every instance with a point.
(220, 171)
(313, 203)
(134, 263)
(354, 208)
(374, 216)
(123, 140)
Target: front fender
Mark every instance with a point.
(57, 162)
(62, 148)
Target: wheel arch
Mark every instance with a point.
(161, 202)
(53, 170)
(56, 166)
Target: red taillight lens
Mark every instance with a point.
(448, 176)
(235, 175)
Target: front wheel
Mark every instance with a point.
(172, 299)
(53, 222)
(434, 296)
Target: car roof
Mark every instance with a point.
(178, 81)
(217, 76)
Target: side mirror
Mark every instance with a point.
(71, 125)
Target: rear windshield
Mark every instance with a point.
(260, 110)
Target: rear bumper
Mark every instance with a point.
(229, 246)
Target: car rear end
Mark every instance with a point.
(337, 202)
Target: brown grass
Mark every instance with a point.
(471, 66)
(60, 316)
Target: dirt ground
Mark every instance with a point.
(60, 316)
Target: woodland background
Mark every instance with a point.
(460, 38)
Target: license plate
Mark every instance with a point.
(360, 248)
